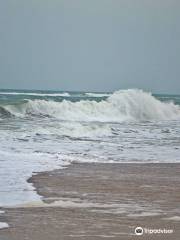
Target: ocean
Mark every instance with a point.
(46, 130)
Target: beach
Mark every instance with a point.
(89, 120)
(99, 201)
(85, 165)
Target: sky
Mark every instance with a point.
(90, 45)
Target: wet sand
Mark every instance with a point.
(99, 201)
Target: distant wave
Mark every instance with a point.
(98, 94)
(123, 105)
(37, 94)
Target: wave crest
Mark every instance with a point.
(64, 94)
(123, 105)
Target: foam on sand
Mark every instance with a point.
(3, 225)
(129, 208)
(174, 218)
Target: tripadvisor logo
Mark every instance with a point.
(139, 231)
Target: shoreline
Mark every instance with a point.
(96, 200)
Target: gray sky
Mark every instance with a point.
(91, 45)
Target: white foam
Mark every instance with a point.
(14, 188)
(174, 218)
(3, 225)
(123, 105)
(65, 94)
(145, 214)
(79, 130)
(91, 132)
(109, 207)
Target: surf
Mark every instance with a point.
(120, 106)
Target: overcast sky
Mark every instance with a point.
(91, 45)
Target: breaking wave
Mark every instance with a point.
(4, 112)
(65, 94)
(123, 105)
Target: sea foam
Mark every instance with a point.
(41, 135)
(123, 105)
(65, 94)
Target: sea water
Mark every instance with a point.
(45, 130)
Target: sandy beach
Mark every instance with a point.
(99, 201)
